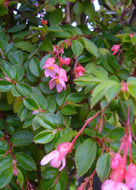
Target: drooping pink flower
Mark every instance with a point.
(116, 161)
(78, 71)
(59, 81)
(112, 185)
(57, 157)
(118, 174)
(50, 68)
(66, 61)
(115, 48)
(131, 176)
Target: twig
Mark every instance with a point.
(67, 10)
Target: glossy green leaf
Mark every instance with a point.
(48, 120)
(30, 104)
(22, 138)
(90, 47)
(85, 156)
(34, 67)
(25, 161)
(6, 176)
(68, 110)
(77, 47)
(5, 86)
(103, 166)
(24, 89)
(44, 137)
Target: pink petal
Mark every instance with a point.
(56, 68)
(62, 83)
(47, 72)
(59, 87)
(55, 163)
(63, 164)
(112, 185)
(62, 74)
(46, 159)
(52, 83)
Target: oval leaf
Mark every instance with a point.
(85, 156)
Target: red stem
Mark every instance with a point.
(86, 123)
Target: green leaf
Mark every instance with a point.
(61, 97)
(6, 176)
(132, 88)
(55, 17)
(49, 173)
(44, 137)
(40, 100)
(20, 178)
(103, 166)
(68, 110)
(30, 104)
(25, 46)
(99, 91)
(24, 89)
(5, 86)
(77, 47)
(17, 28)
(25, 161)
(112, 91)
(46, 45)
(85, 156)
(51, 104)
(34, 67)
(29, 121)
(19, 72)
(48, 120)
(90, 47)
(8, 69)
(22, 138)
(86, 79)
(63, 34)
(75, 97)
(78, 8)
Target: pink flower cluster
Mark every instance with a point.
(120, 172)
(57, 157)
(57, 73)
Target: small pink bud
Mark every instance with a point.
(115, 48)
(131, 35)
(44, 22)
(124, 87)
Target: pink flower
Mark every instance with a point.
(112, 185)
(79, 71)
(131, 35)
(59, 81)
(118, 174)
(57, 156)
(66, 61)
(115, 49)
(124, 87)
(91, 1)
(44, 22)
(50, 68)
(116, 161)
(131, 176)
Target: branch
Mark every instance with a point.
(67, 10)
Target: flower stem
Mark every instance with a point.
(86, 123)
